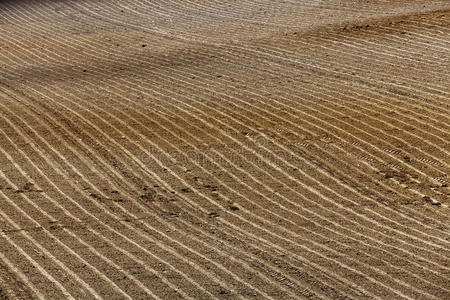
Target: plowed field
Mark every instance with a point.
(224, 149)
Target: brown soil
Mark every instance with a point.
(224, 149)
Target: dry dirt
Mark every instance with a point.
(224, 149)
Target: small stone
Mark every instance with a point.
(435, 202)
(213, 215)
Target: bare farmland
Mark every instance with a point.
(224, 149)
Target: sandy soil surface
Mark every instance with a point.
(224, 149)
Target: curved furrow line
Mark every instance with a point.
(323, 69)
(384, 129)
(420, 38)
(397, 138)
(438, 33)
(341, 84)
(386, 126)
(5, 13)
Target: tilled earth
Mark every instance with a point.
(224, 149)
